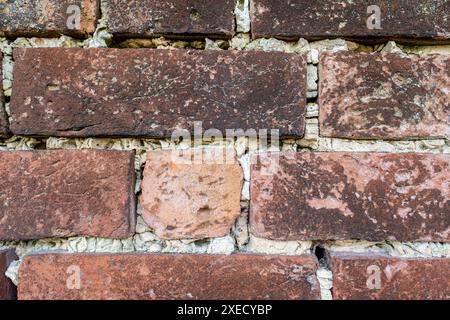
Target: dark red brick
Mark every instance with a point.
(7, 288)
(47, 18)
(384, 96)
(401, 20)
(4, 127)
(344, 196)
(66, 193)
(151, 93)
(187, 18)
(160, 277)
(366, 276)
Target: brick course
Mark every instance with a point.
(156, 277)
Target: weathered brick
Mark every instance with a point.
(132, 92)
(401, 20)
(366, 276)
(160, 277)
(7, 288)
(4, 127)
(187, 18)
(27, 18)
(191, 194)
(343, 196)
(384, 96)
(66, 193)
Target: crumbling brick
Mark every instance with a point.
(185, 199)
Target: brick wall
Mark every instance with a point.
(248, 149)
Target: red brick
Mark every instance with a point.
(344, 196)
(4, 127)
(48, 18)
(184, 199)
(402, 20)
(187, 18)
(66, 193)
(7, 288)
(161, 277)
(366, 276)
(384, 96)
(151, 93)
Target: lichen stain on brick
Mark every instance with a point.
(353, 196)
(376, 96)
(177, 18)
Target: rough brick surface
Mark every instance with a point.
(363, 277)
(4, 128)
(7, 288)
(44, 18)
(183, 198)
(66, 193)
(343, 196)
(130, 92)
(171, 18)
(400, 19)
(144, 276)
(384, 96)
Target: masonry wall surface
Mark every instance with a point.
(227, 149)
